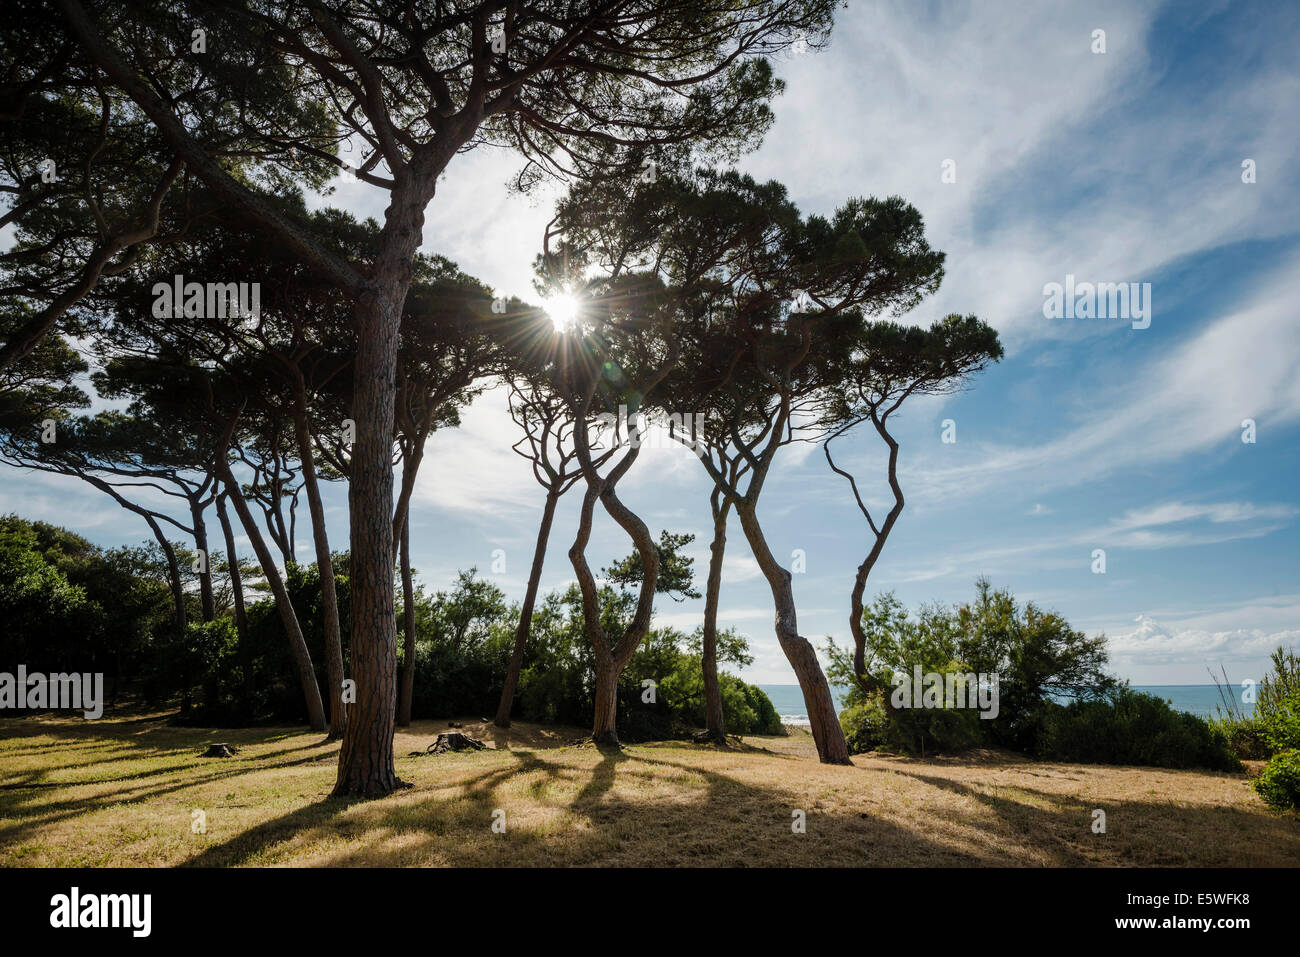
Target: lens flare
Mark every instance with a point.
(563, 310)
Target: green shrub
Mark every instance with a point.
(745, 709)
(870, 724)
(923, 730)
(1279, 784)
(1035, 654)
(1129, 727)
(766, 720)
(1282, 726)
(1275, 725)
(865, 725)
(1247, 737)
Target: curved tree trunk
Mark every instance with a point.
(325, 567)
(298, 644)
(205, 578)
(24, 339)
(612, 657)
(526, 613)
(829, 737)
(173, 573)
(178, 599)
(237, 597)
(275, 522)
(868, 563)
(173, 565)
(408, 627)
(713, 719)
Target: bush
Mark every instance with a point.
(455, 681)
(1278, 710)
(870, 724)
(462, 640)
(1129, 727)
(766, 720)
(745, 709)
(1275, 725)
(1247, 737)
(1035, 654)
(1279, 784)
(1282, 729)
(923, 730)
(865, 725)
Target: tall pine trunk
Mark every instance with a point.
(325, 567)
(206, 600)
(713, 719)
(297, 643)
(407, 690)
(820, 705)
(366, 758)
(237, 598)
(526, 613)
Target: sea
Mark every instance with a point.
(1200, 700)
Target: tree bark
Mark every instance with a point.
(366, 758)
(818, 701)
(205, 577)
(612, 657)
(325, 567)
(408, 627)
(604, 725)
(237, 597)
(411, 460)
(173, 572)
(298, 644)
(865, 682)
(232, 563)
(713, 719)
(526, 613)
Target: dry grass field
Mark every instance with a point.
(122, 792)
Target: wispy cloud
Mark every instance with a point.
(1240, 366)
(1208, 523)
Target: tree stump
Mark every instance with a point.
(454, 741)
(220, 751)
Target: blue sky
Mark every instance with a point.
(1124, 166)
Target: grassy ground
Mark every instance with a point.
(121, 792)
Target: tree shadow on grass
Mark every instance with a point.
(23, 803)
(627, 809)
(657, 805)
(1145, 833)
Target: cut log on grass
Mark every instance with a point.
(220, 751)
(710, 737)
(453, 741)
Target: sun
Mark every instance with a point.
(562, 307)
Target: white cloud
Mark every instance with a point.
(474, 469)
(1146, 528)
(688, 620)
(1152, 643)
(1241, 365)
